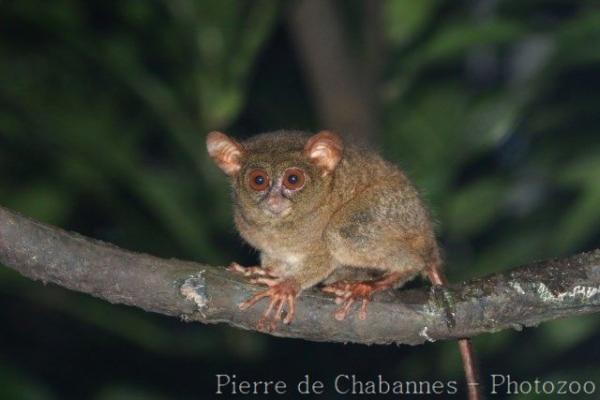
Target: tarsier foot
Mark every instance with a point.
(347, 292)
(254, 271)
(281, 292)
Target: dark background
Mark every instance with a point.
(492, 107)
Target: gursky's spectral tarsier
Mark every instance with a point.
(318, 210)
(311, 205)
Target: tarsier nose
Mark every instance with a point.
(276, 203)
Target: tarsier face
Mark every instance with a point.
(277, 175)
(275, 192)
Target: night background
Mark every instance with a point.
(492, 108)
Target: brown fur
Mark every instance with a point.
(363, 214)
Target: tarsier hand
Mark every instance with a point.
(281, 291)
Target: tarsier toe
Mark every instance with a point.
(268, 322)
(265, 281)
(264, 325)
(235, 267)
(282, 294)
(254, 271)
(244, 305)
(347, 293)
(362, 313)
(340, 314)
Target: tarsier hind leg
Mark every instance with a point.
(373, 232)
(348, 292)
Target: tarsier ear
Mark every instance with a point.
(225, 151)
(325, 150)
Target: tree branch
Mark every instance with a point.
(524, 296)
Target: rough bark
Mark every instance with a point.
(523, 296)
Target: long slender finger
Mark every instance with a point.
(269, 272)
(335, 287)
(245, 271)
(265, 281)
(279, 310)
(272, 324)
(269, 309)
(342, 312)
(336, 291)
(255, 271)
(362, 313)
(329, 289)
(263, 325)
(252, 300)
(291, 309)
(260, 271)
(235, 267)
(266, 322)
(344, 291)
(250, 271)
(348, 304)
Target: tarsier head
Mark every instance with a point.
(277, 175)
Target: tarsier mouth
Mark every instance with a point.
(277, 205)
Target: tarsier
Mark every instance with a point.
(313, 207)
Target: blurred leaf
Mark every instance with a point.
(576, 39)
(15, 385)
(453, 39)
(472, 209)
(404, 19)
(42, 201)
(583, 217)
(562, 335)
(128, 392)
(228, 42)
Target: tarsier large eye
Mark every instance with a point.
(258, 179)
(294, 179)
